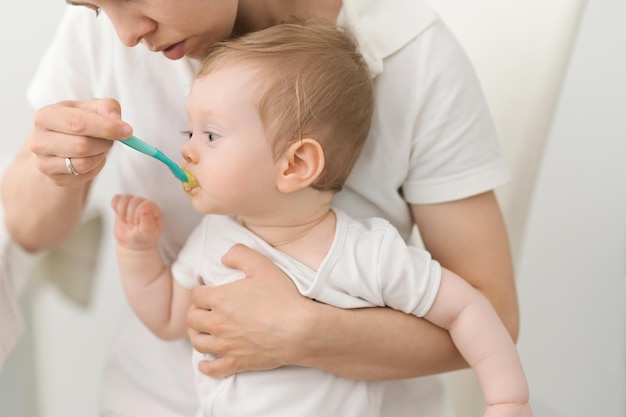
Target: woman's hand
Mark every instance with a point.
(262, 322)
(249, 324)
(70, 139)
(53, 170)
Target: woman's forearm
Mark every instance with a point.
(38, 213)
(386, 344)
(42, 196)
(374, 344)
(263, 322)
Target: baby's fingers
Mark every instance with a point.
(127, 207)
(138, 222)
(120, 204)
(148, 217)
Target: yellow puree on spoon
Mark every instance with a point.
(191, 183)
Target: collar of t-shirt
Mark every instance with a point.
(382, 29)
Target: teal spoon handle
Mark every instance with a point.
(138, 144)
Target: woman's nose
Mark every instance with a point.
(131, 28)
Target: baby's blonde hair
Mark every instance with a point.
(316, 85)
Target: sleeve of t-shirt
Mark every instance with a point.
(455, 150)
(408, 277)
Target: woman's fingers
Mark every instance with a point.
(71, 139)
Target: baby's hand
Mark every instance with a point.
(509, 410)
(138, 222)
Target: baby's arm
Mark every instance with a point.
(485, 344)
(154, 295)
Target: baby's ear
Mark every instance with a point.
(300, 165)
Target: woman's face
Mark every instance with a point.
(177, 28)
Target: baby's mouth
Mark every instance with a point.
(191, 183)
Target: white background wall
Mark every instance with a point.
(571, 276)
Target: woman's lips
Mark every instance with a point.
(176, 51)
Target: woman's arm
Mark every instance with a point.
(38, 178)
(54, 211)
(262, 322)
(469, 238)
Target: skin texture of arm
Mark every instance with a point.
(484, 342)
(466, 236)
(47, 224)
(38, 178)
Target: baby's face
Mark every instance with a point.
(228, 151)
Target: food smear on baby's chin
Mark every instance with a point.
(191, 183)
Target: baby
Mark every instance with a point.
(277, 120)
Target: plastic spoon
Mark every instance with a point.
(138, 144)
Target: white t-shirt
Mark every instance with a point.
(432, 140)
(368, 265)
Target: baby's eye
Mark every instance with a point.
(187, 133)
(212, 137)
